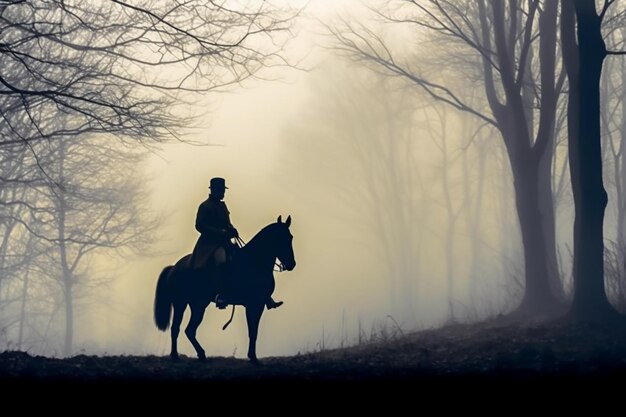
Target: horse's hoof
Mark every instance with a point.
(174, 357)
(255, 362)
(202, 358)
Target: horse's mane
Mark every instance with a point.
(267, 229)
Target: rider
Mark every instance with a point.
(216, 230)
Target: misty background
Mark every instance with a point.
(403, 208)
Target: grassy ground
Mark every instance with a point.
(490, 351)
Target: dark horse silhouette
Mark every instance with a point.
(250, 279)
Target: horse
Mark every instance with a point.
(250, 281)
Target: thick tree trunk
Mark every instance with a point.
(538, 298)
(544, 143)
(529, 181)
(546, 207)
(584, 66)
(514, 117)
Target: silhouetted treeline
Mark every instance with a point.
(508, 65)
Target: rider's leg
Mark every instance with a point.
(219, 258)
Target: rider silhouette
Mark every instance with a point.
(216, 232)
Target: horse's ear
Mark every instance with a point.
(280, 219)
(288, 222)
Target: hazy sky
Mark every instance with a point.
(340, 280)
(244, 126)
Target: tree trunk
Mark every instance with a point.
(451, 224)
(449, 251)
(545, 138)
(584, 67)
(528, 181)
(620, 168)
(67, 283)
(67, 276)
(546, 207)
(69, 322)
(538, 298)
(4, 247)
(515, 120)
(20, 334)
(473, 218)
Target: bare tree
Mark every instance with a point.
(118, 66)
(584, 52)
(16, 249)
(613, 119)
(514, 45)
(99, 204)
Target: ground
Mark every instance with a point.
(490, 351)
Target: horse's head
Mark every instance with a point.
(284, 243)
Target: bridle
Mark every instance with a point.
(277, 264)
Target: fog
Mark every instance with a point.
(404, 213)
(280, 149)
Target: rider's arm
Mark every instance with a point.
(231, 231)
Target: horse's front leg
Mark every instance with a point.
(253, 316)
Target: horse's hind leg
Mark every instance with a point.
(179, 310)
(197, 314)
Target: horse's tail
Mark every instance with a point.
(163, 300)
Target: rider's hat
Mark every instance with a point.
(218, 182)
